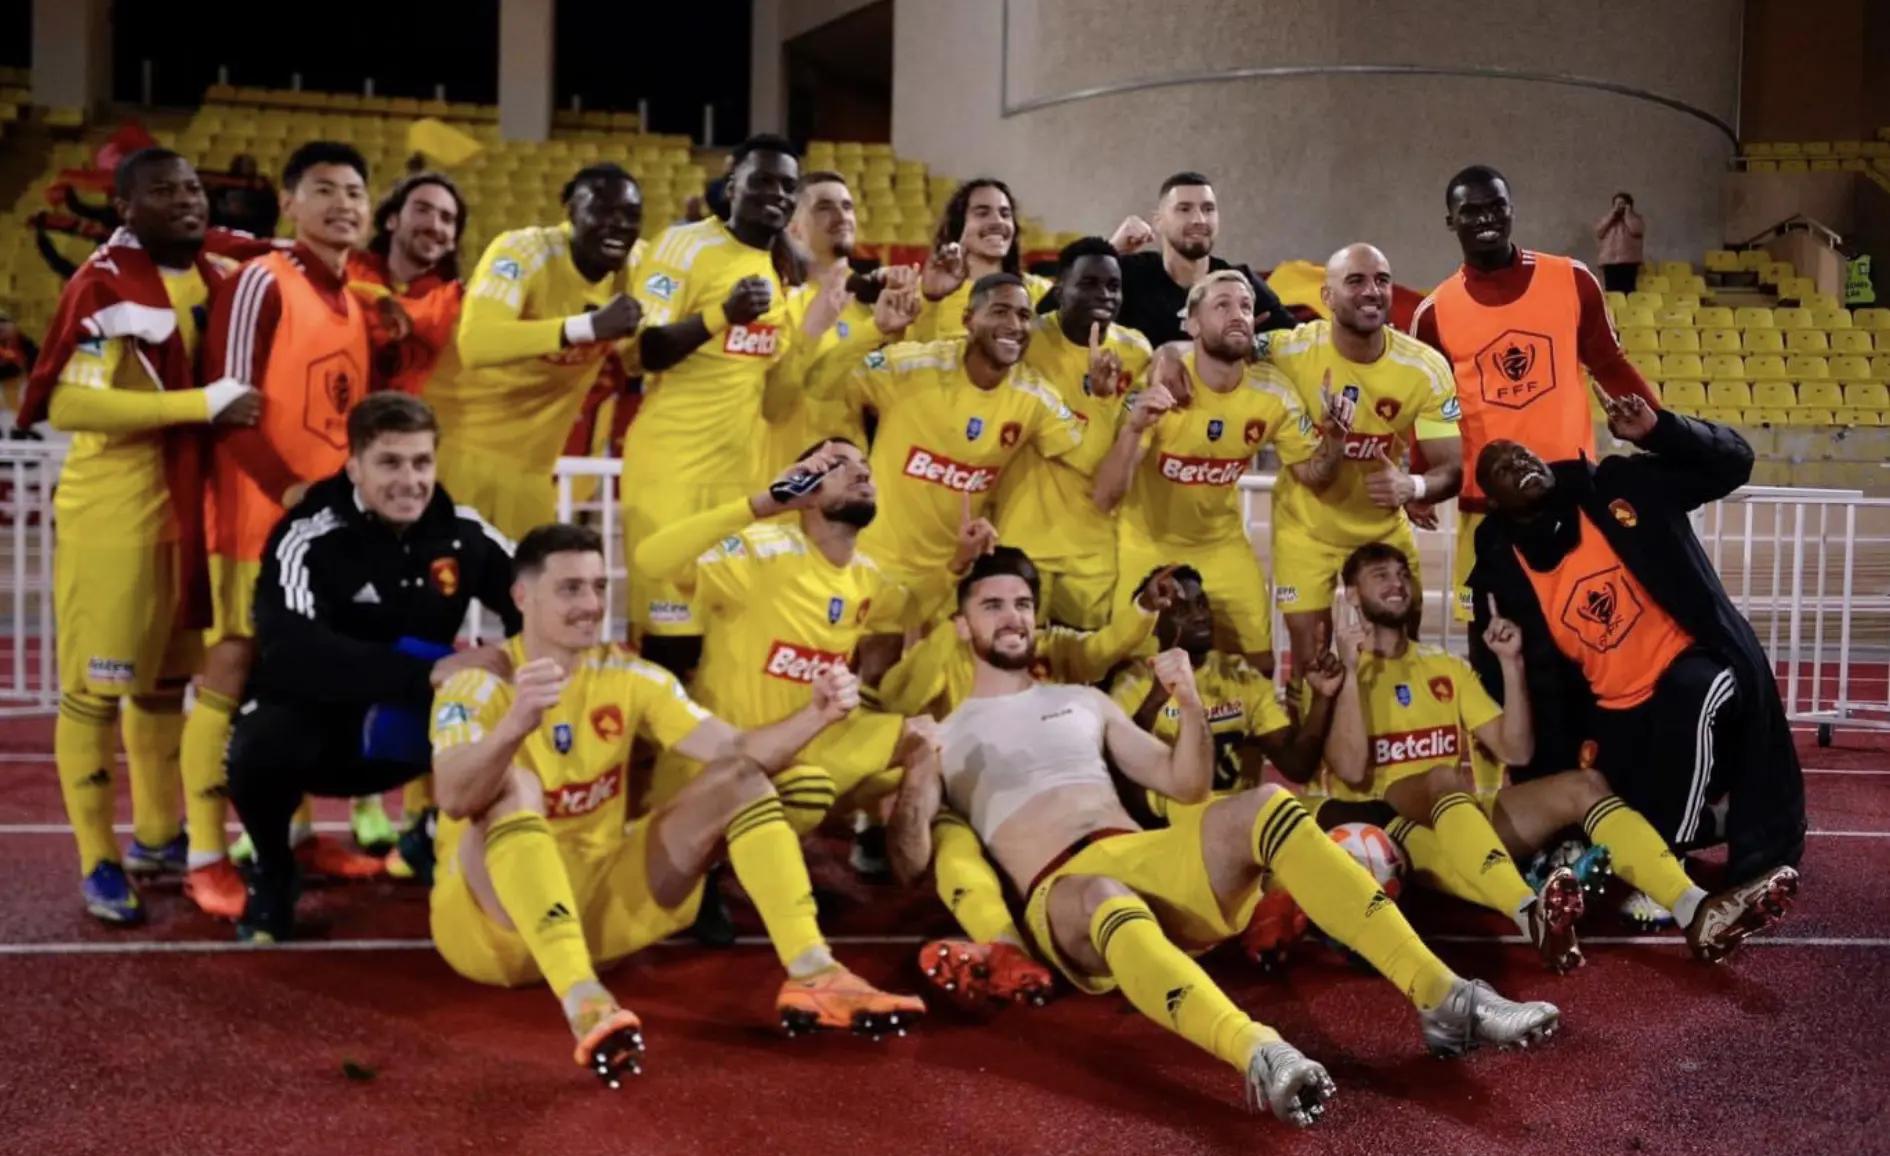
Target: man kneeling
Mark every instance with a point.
(540, 877)
(1112, 905)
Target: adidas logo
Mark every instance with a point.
(1492, 859)
(367, 594)
(99, 778)
(1174, 1001)
(558, 914)
(1379, 901)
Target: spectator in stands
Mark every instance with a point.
(1622, 234)
(247, 201)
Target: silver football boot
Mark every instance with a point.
(1295, 1088)
(1473, 1015)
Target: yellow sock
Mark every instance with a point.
(1167, 986)
(85, 740)
(1466, 838)
(968, 883)
(1640, 855)
(1338, 895)
(529, 877)
(807, 794)
(765, 854)
(416, 797)
(206, 783)
(153, 730)
(1426, 855)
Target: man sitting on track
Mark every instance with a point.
(540, 876)
(1024, 762)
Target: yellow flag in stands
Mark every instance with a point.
(441, 143)
(1297, 283)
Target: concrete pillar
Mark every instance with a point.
(527, 30)
(72, 53)
(767, 73)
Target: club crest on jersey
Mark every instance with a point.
(561, 738)
(445, 575)
(1453, 409)
(506, 269)
(1403, 691)
(607, 721)
(661, 286)
(1386, 408)
(835, 608)
(876, 359)
(1216, 427)
(973, 428)
(1008, 436)
(843, 329)
(1624, 513)
(1442, 689)
(1351, 393)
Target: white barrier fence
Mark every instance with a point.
(1810, 568)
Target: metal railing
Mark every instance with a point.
(1799, 563)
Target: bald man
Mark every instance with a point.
(1373, 392)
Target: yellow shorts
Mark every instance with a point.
(1078, 599)
(115, 611)
(1231, 575)
(1168, 870)
(512, 499)
(1306, 570)
(1464, 557)
(857, 752)
(620, 916)
(232, 599)
(660, 608)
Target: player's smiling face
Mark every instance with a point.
(989, 227)
(394, 474)
(1513, 478)
(167, 206)
(1000, 325)
(1189, 622)
(1384, 592)
(999, 619)
(761, 191)
(1481, 215)
(606, 217)
(427, 224)
(1091, 292)
(1358, 290)
(825, 221)
(563, 604)
(329, 205)
(1189, 219)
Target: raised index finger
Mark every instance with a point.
(964, 507)
(1095, 337)
(1494, 613)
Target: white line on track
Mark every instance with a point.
(230, 947)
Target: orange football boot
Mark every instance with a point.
(1000, 972)
(838, 999)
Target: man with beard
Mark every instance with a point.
(118, 372)
(1155, 282)
(953, 415)
(1176, 470)
(1639, 664)
(976, 237)
(1395, 746)
(288, 326)
(1024, 763)
(543, 308)
(409, 273)
(1043, 504)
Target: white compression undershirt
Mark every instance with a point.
(1000, 753)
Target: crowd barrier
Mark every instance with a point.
(1809, 567)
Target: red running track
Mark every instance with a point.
(145, 1041)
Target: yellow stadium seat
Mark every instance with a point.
(1647, 362)
(1758, 417)
(1713, 317)
(1753, 317)
(1616, 302)
(1766, 367)
(1880, 367)
(1826, 303)
(1647, 298)
(1773, 272)
(1675, 270)
(1635, 317)
(1851, 341)
(1793, 166)
(1719, 340)
(1830, 317)
(1820, 395)
(1652, 282)
(1722, 261)
(1810, 417)
(1681, 365)
(1870, 417)
(1806, 341)
(1679, 340)
(1639, 339)
(1674, 316)
(1764, 341)
(1722, 415)
(1796, 288)
(1850, 367)
(1806, 367)
(1753, 260)
(1774, 395)
(1728, 394)
(1725, 367)
(1788, 318)
(1871, 318)
(1688, 293)
(1684, 396)
(1873, 395)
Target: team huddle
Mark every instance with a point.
(950, 555)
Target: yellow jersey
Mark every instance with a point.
(112, 487)
(519, 387)
(934, 676)
(1044, 504)
(1420, 711)
(581, 750)
(1241, 704)
(1186, 489)
(941, 438)
(1409, 392)
(699, 418)
(796, 420)
(944, 319)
